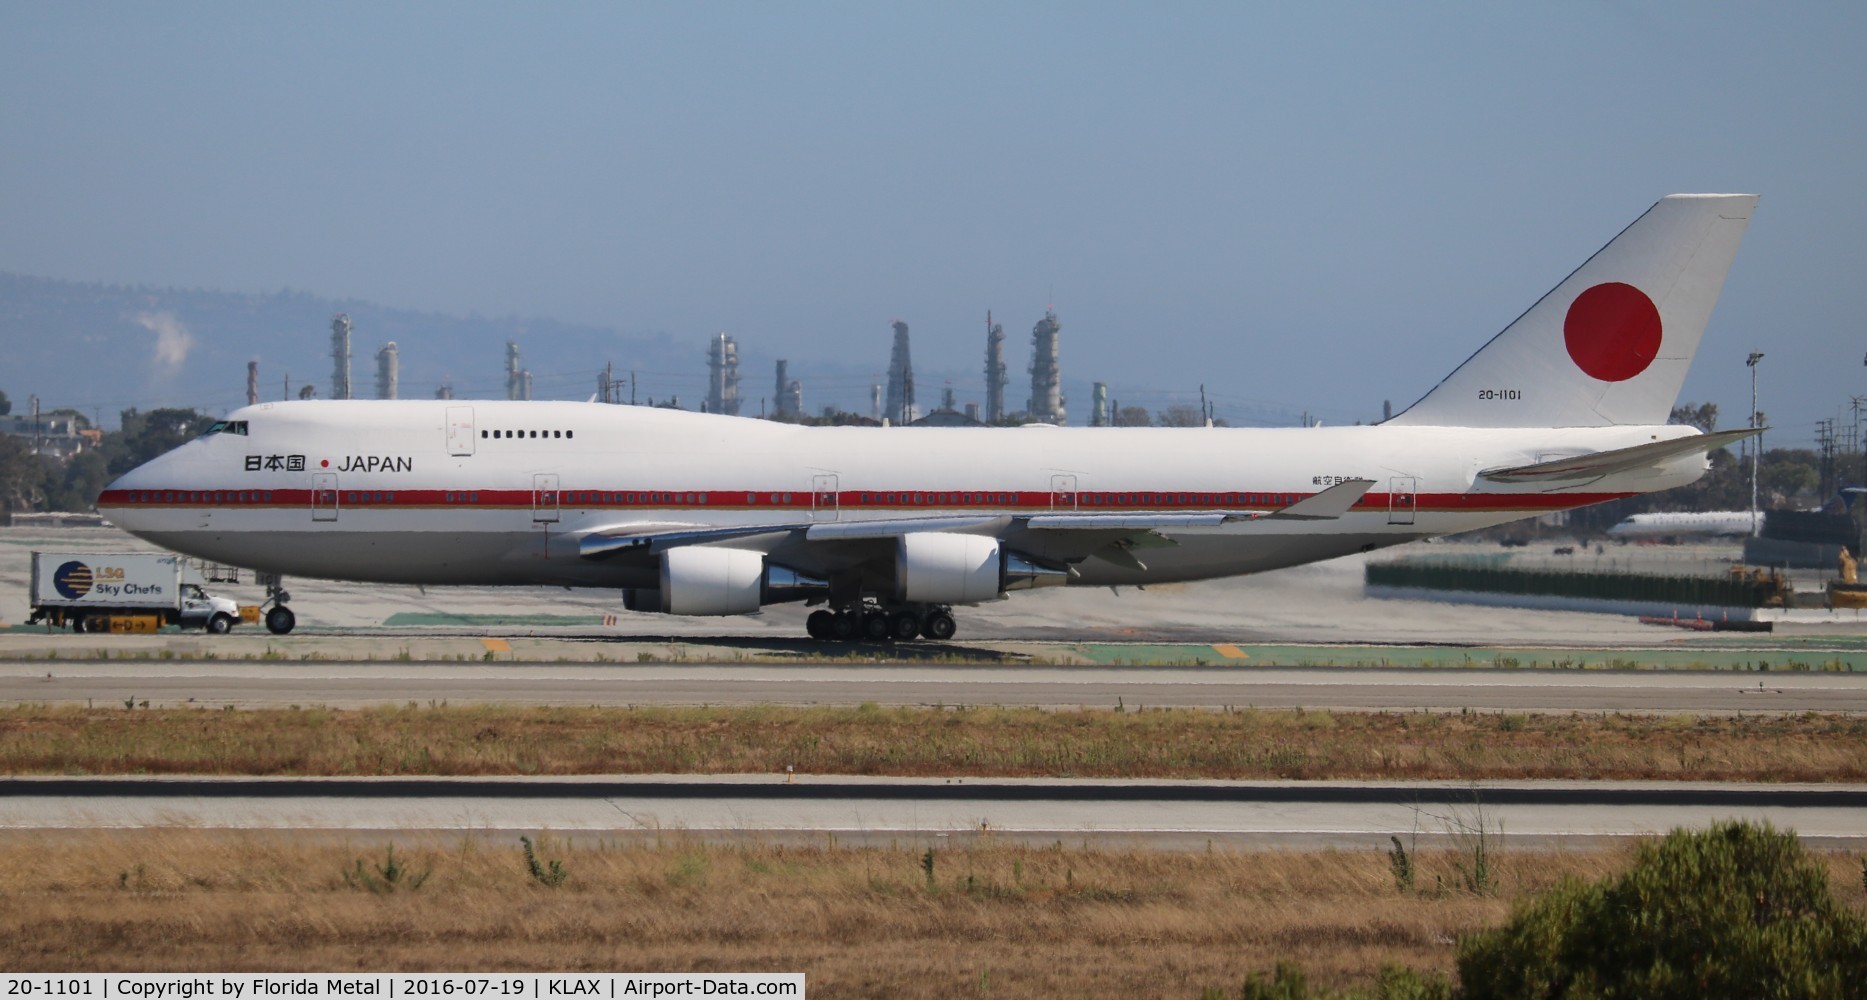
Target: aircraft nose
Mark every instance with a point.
(128, 497)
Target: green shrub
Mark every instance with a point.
(1733, 911)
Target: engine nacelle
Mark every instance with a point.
(699, 580)
(937, 568)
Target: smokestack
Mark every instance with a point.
(340, 356)
(1046, 375)
(386, 364)
(995, 377)
(782, 394)
(900, 408)
(793, 398)
(723, 376)
(512, 370)
(875, 403)
(252, 383)
(1099, 410)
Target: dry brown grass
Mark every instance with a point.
(1022, 921)
(930, 742)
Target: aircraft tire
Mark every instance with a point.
(844, 625)
(220, 624)
(280, 620)
(875, 626)
(817, 626)
(904, 626)
(939, 626)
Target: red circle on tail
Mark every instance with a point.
(1612, 331)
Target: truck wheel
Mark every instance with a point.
(77, 623)
(280, 620)
(220, 624)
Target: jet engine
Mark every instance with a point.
(701, 580)
(938, 568)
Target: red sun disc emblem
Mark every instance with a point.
(1612, 331)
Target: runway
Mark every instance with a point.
(213, 684)
(1170, 814)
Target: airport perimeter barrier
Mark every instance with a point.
(1744, 591)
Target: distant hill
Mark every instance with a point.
(103, 348)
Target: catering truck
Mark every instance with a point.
(123, 592)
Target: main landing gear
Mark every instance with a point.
(279, 618)
(872, 623)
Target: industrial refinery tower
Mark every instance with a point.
(899, 409)
(340, 356)
(1046, 405)
(387, 374)
(518, 380)
(723, 376)
(788, 398)
(995, 377)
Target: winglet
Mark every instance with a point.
(1327, 505)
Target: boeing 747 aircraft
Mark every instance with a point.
(890, 528)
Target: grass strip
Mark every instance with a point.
(931, 742)
(922, 919)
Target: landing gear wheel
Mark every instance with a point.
(818, 625)
(77, 623)
(904, 625)
(875, 626)
(939, 626)
(280, 620)
(843, 627)
(220, 624)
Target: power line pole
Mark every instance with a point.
(1756, 441)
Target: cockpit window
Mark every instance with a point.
(226, 427)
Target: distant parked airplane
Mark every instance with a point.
(695, 514)
(1687, 524)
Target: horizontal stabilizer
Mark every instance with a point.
(1601, 463)
(1330, 503)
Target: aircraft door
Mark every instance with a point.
(1401, 499)
(826, 502)
(1063, 492)
(324, 496)
(460, 430)
(544, 497)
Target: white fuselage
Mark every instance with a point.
(456, 492)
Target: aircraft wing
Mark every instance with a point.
(1062, 536)
(1594, 465)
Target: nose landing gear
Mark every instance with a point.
(279, 620)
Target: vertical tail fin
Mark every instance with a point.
(1612, 342)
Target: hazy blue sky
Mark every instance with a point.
(1318, 206)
